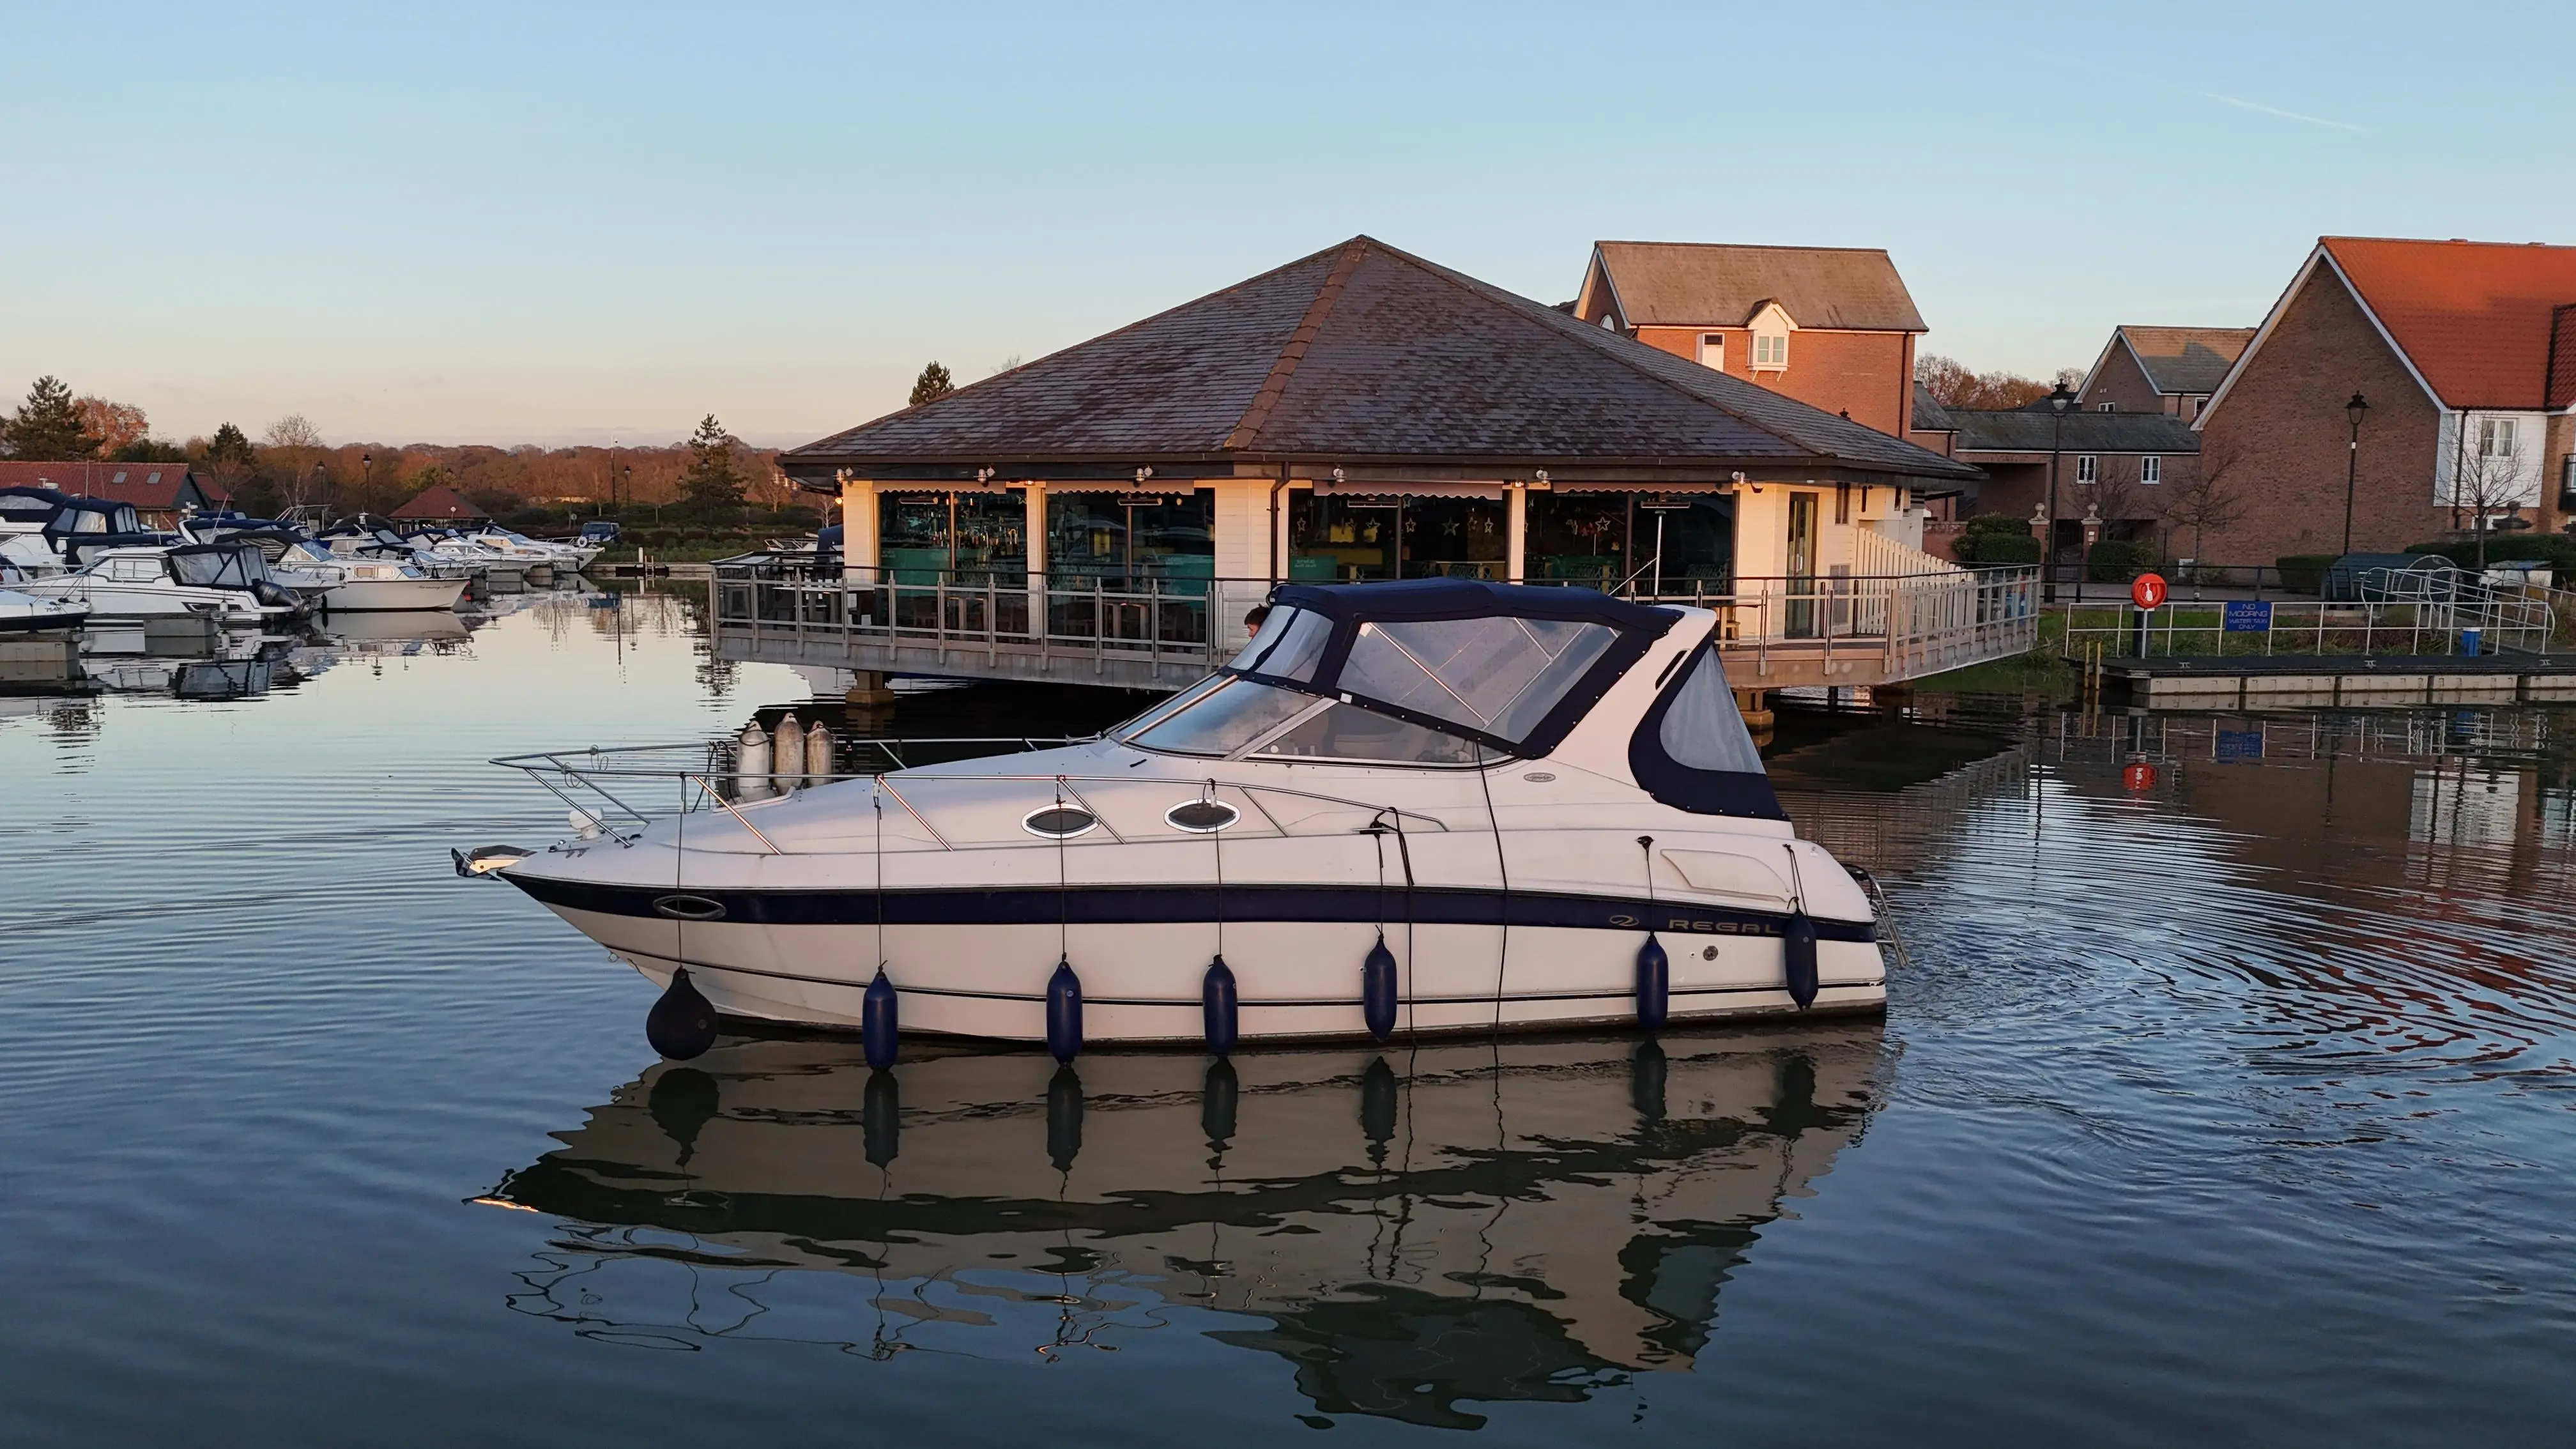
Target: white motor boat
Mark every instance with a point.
(227, 581)
(356, 583)
(1429, 806)
(24, 614)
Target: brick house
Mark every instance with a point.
(1832, 327)
(2124, 466)
(2169, 370)
(2465, 353)
(162, 493)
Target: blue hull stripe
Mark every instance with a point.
(1153, 904)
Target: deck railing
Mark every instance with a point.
(1133, 629)
(2396, 613)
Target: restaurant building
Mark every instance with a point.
(1364, 414)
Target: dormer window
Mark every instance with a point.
(1712, 350)
(1770, 326)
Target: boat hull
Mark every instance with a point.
(977, 963)
(392, 595)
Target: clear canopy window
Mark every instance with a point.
(1289, 646)
(227, 568)
(1702, 729)
(1498, 675)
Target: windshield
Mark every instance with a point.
(1224, 719)
(1348, 732)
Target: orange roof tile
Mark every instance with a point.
(2474, 317)
(439, 501)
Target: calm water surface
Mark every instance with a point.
(2225, 1100)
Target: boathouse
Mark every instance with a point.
(1111, 510)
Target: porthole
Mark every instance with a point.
(1058, 822)
(1201, 817)
(689, 908)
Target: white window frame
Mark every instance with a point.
(1771, 351)
(2088, 468)
(2106, 407)
(1712, 350)
(2496, 437)
(2151, 470)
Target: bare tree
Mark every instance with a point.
(1953, 384)
(2490, 472)
(2214, 498)
(294, 448)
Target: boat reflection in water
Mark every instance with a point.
(1413, 1229)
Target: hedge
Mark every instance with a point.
(2304, 573)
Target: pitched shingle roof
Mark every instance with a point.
(2474, 317)
(1364, 353)
(153, 486)
(439, 502)
(1695, 284)
(2181, 360)
(1929, 415)
(2029, 430)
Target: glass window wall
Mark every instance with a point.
(1601, 539)
(1348, 537)
(958, 538)
(1128, 540)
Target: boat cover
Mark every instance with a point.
(1509, 665)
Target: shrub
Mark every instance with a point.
(2113, 561)
(2304, 573)
(1996, 538)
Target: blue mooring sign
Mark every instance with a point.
(2249, 616)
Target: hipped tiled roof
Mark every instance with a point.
(2181, 360)
(439, 502)
(2029, 430)
(1705, 284)
(2474, 317)
(1363, 353)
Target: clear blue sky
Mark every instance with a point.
(553, 223)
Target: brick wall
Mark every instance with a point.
(2121, 382)
(2281, 438)
(1868, 374)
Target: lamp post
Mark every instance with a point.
(2058, 402)
(2352, 464)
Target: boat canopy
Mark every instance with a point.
(29, 505)
(1429, 671)
(92, 515)
(219, 566)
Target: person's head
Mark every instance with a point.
(1252, 620)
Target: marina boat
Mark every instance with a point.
(1418, 807)
(23, 614)
(228, 582)
(44, 533)
(358, 583)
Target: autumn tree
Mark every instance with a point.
(712, 486)
(48, 428)
(933, 384)
(1954, 385)
(116, 425)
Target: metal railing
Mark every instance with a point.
(1910, 623)
(2398, 613)
(616, 792)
